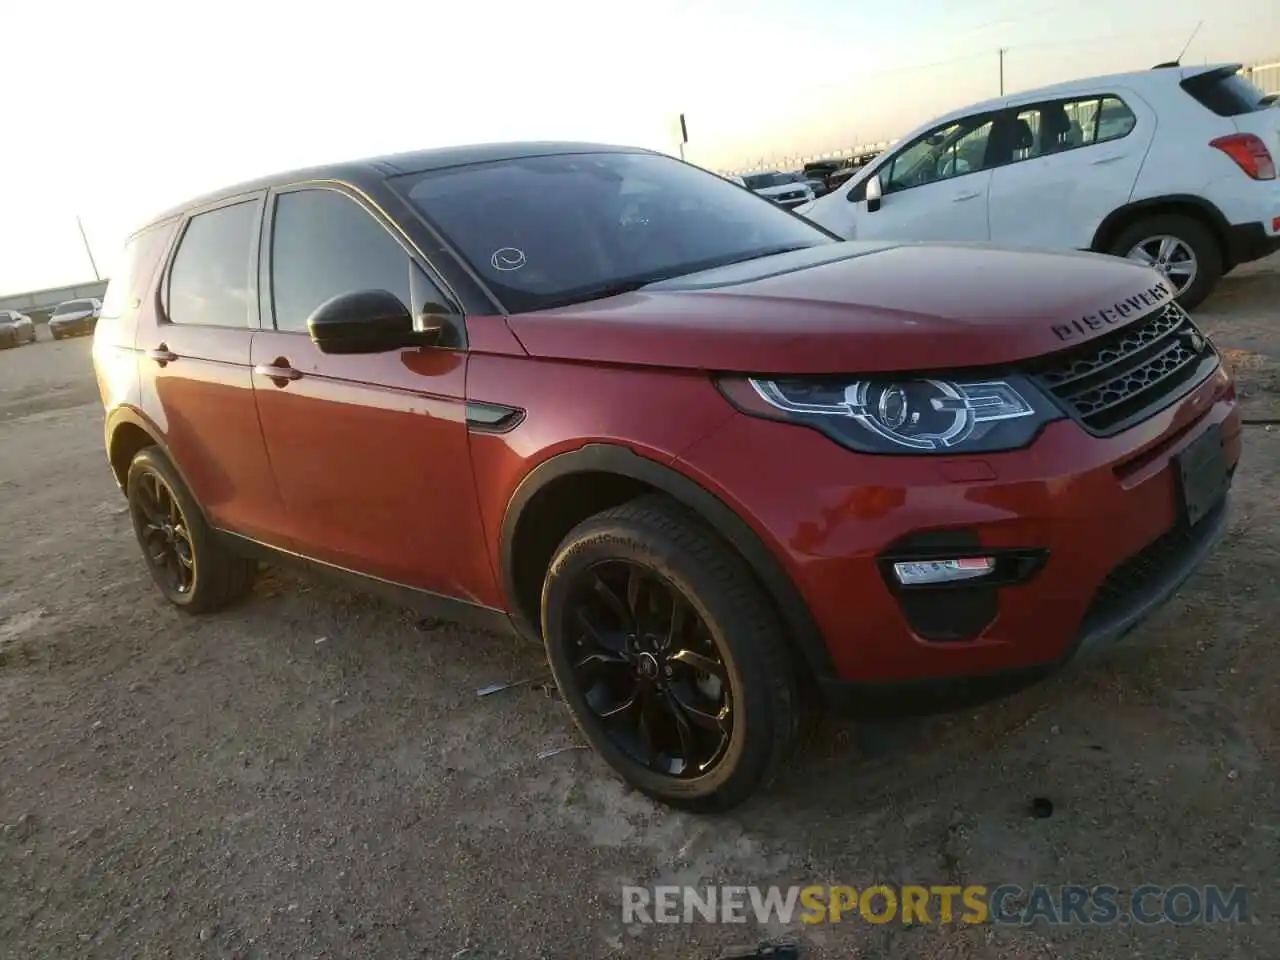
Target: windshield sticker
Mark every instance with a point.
(508, 258)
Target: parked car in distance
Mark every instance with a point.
(834, 172)
(74, 318)
(16, 329)
(817, 184)
(721, 465)
(1271, 100)
(1173, 167)
(784, 189)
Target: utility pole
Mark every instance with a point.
(96, 275)
(1003, 51)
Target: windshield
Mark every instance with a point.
(73, 306)
(548, 231)
(758, 181)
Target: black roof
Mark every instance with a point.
(416, 161)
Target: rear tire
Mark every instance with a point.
(1189, 235)
(718, 712)
(194, 571)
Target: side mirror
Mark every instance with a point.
(875, 193)
(369, 321)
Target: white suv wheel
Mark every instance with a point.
(1171, 256)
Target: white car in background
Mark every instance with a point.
(75, 318)
(16, 329)
(785, 189)
(1173, 167)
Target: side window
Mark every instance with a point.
(323, 244)
(131, 277)
(1068, 124)
(209, 282)
(941, 154)
(1113, 120)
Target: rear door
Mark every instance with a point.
(1075, 160)
(370, 451)
(934, 188)
(194, 367)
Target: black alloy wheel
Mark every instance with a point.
(649, 669)
(670, 655)
(194, 570)
(164, 535)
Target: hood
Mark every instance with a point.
(71, 317)
(856, 307)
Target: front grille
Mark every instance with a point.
(794, 195)
(1124, 378)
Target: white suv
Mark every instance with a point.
(1174, 167)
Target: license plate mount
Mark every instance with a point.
(1202, 476)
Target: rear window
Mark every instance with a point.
(759, 181)
(132, 275)
(1225, 92)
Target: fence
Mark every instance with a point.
(1265, 75)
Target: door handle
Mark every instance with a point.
(280, 370)
(1111, 158)
(162, 354)
(961, 197)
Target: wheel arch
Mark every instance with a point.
(620, 474)
(1185, 204)
(129, 430)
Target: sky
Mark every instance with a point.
(111, 110)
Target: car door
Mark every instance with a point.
(933, 188)
(197, 383)
(370, 451)
(1077, 160)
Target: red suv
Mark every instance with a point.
(714, 458)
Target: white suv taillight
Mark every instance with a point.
(1250, 154)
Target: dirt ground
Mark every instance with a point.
(313, 775)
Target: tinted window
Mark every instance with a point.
(209, 283)
(551, 230)
(324, 244)
(758, 181)
(131, 277)
(941, 154)
(1226, 93)
(1067, 124)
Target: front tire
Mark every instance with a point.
(195, 572)
(670, 656)
(1181, 248)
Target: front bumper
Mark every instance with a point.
(72, 328)
(1102, 512)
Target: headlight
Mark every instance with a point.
(884, 415)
